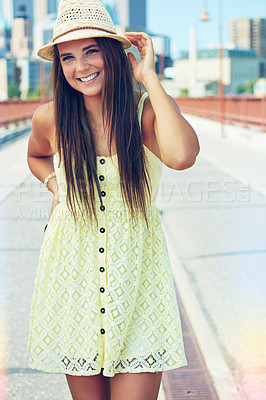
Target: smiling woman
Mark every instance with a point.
(104, 310)
(83, 66)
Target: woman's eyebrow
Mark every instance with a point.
(85, 48)
(88, 47)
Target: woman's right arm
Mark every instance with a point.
(40, 152)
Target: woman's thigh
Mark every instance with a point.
(139, 386)
(96, 387)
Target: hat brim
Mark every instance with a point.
(47, 52)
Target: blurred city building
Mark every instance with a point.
(21, 37)
(7, 76)
(132, 14)
(6, 10)
(163, 60)
(6, 18)
(21, 77)
(250, 34)
(31, 76)
(5, 37)
(44, 17)
(27, 6)
(239, 67)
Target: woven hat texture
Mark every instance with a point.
(81, 19)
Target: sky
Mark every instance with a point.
(174, 17)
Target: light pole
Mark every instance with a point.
(205, 17)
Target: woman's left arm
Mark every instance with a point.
(177, 140)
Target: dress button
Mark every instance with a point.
(102, 208)
(102, 160)
(101, 249)
(103, 194)
(102, 290)
(101, 177)
(102, 230)
(102, 331)
(102, 310)
(102, 269)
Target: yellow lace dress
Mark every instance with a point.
(104, 298)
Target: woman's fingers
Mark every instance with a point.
(132, 60)
(139, 39)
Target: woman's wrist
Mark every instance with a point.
(150, 80)
(50, 183)
(53, 186)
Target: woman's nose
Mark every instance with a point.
(81, 65)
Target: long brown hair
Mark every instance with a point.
(75, 141)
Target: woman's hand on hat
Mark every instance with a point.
(145, 69)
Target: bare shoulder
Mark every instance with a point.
(43, 118)
(42, 138)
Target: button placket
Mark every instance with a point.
(102, 230)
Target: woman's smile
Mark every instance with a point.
(89, 78)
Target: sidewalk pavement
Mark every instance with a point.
(214, 219)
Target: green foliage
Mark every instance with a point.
(246, 87)
(34, 94)
(184, 92)
(13, 90)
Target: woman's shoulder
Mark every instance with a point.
(43, 124)
(44, 114)
(43, 119)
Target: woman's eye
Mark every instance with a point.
(92, 51)
(66, 58)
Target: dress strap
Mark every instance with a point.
(140, 106)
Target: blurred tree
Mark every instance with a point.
(184, 92)
(34, 94)
(246, 87)
(13, 90)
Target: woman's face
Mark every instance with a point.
(83, 65)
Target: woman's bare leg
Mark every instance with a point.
(138, 386)
(96, 387)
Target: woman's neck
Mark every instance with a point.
(94, 107)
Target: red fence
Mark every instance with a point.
(246, 111)
(13, 112)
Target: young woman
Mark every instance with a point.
(104, 310)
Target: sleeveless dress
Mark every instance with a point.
(104, 298)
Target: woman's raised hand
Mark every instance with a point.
(145, 69)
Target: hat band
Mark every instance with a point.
(78, 29)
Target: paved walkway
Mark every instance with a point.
(214, 218)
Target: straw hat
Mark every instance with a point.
(81, 19)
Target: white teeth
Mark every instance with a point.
(89, 77)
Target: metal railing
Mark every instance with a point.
(16, 112)
(243, 110)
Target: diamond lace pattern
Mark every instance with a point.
(132, 324)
